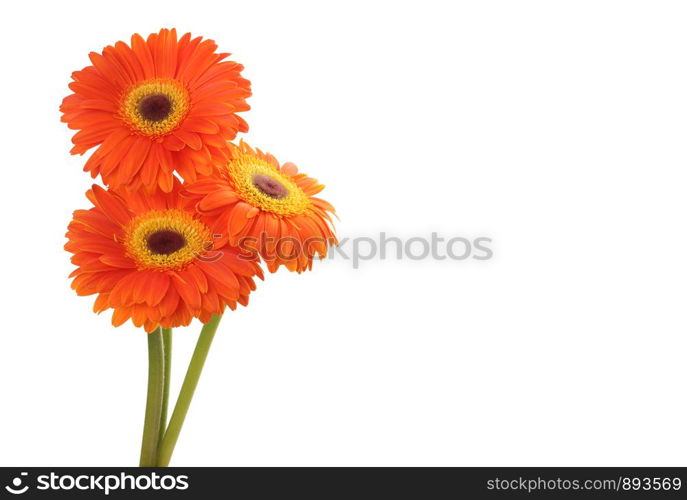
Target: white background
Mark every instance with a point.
(555, 128)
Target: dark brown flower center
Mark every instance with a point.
(271, 187)
(165, 242)
(155, 107)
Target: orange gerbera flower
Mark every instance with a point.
(154, 107)
(266, 208)
(151, 259)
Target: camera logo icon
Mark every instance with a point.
(16, 487)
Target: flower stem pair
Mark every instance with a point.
(159, 437)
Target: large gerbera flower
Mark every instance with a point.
(154, 107)
(267, 208)
(152, 259)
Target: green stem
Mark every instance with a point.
(167, 341)
(151, 425)
(188, 387)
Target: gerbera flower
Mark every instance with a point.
(266, 208)
(152, 260)
(158, 106)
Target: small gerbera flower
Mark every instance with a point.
(267, 208)
(151, 258)
(158, 106)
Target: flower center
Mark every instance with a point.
(269, 186)
(155, 107)
(259, 183)
(166, 239)
(165, 242)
